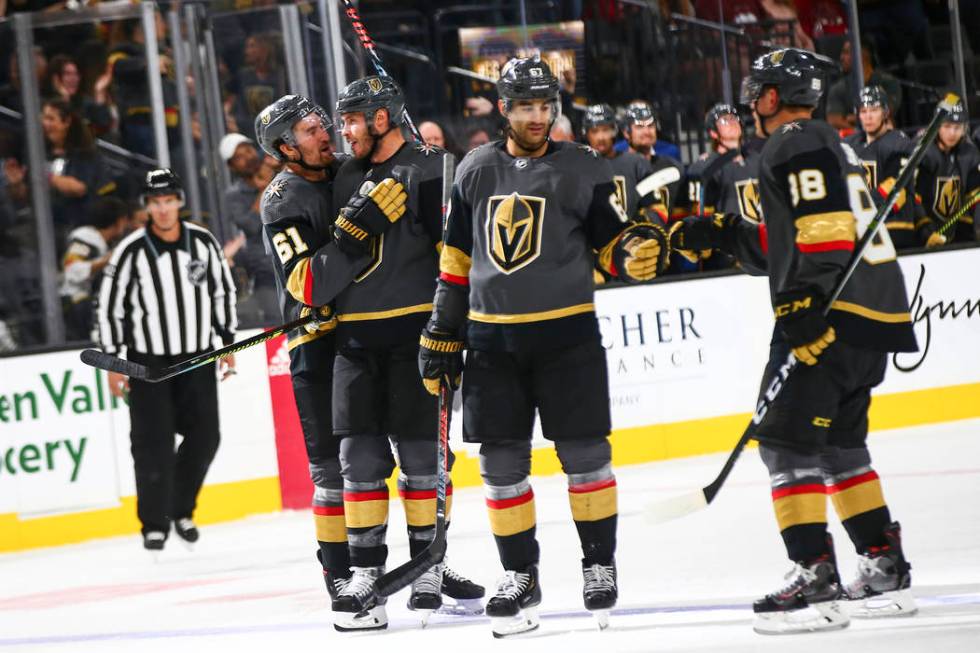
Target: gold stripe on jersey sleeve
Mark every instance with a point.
(383, 315)
(521, 318)
(870, 313)
(454, 261)
(825, 228)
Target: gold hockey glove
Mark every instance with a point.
(642, 251)
(935, 239)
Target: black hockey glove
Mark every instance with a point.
(369, 215)
(698, 234)
(323, 320)
(440, 357)
(799, 315)
(642, 251)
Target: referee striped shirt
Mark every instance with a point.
(167, 299)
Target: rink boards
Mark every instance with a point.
(685, 360)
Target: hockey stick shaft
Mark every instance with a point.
(433, 554)
(368, 44)
(971, 199)
(111, 363)
(698, 499)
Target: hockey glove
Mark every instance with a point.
(440, 357)
(696, 234)
(643, 250)
(935, 239)
(369, 215)
(799, 315)
(324, 319)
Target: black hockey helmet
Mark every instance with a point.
(716, 112)
(640, 113)
(527, 78)
(274, 124)
(596, 116)
(957, 114)
(798, 75)
(161, 181)
(368, 94)
(873, 96)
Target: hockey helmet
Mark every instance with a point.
(368, 94)
(161, 181)
(640, 113)
(798, 75)
(527, 78)
(957, 114)
(596, 116)
(716, 112)
(274, 124)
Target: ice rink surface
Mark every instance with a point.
(686, 585)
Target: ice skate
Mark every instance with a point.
(810, 601)
(153, 542)
(882, 585)
(464, 595)
(426, 595)
(514, 608)
(335, 581)
(187, 532)
(599, 591)
(357, 607)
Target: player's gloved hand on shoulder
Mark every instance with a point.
(440, 357)
(369, 215)
(799, 315)
(642, 252)
(323, 320)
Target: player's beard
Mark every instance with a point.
(524, 141)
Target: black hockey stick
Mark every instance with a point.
(111, 363)
(433, 554)
(368, 44)
(695, 500)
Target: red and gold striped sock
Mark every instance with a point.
(860, 505)
(593, 499)
(366, 513)
(331, 528)
(513, 523)
(800, 503)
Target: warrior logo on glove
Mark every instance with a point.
(514, 230)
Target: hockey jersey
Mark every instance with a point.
(85, 245)
(629, 169)
(883, 159)
(731, 188)
(520, 234)
(816, 206)
(945, 180)
(390, 298)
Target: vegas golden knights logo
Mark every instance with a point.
(374, 84)
(871, 173)
(620, 182)
(514, 230)
(749, 204)
(947, 196)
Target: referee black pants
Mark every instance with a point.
(168, 479)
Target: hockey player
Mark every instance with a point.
(815, 206)
(295, 208)
(883, 150)
(394, 228)
(629, 168)
(515, 288)
(948, 175)
(640, 126)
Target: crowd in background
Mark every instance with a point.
(93, 84)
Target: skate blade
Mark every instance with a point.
(461, 607)
(523, 622)
(899, 603)
(829, 615)
(374, 619)
(601, 619)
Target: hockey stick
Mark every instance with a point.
(971, 199)
(368, 44)
(111, 363)
(697, 499)
(433, 554)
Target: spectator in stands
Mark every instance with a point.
(842, 96)
(895, 26)
(475, 135)
(65, 82)
(260, 81)
(436, 133)
(785, 11)
(10, 92)
(252, 172)
(87, 254)
(75, 173)
(562, 130)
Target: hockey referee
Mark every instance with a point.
(166, 294)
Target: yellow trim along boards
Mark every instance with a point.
(228, 501)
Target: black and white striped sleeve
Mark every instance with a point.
(224, 316)
(117, 277)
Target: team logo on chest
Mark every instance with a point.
(620, 182)
(871, 173)
(514, 224)
(947, 196)
(749, 204)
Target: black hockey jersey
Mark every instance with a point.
(629, 170)
(945, 180)
(310, 269)
(731, 188)
(883, 159)
(390, 298)
(521, 234)
(816, 206)
(666, 204)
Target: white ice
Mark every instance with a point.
(686, 585)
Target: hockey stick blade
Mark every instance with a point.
(675, 507)
(657, 180)
(109, 363)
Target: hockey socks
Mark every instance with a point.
(799, 500)
(593, 499)
(860, 505)
(418, 494)
(513, 521)
(331, 529)
(366, 513)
